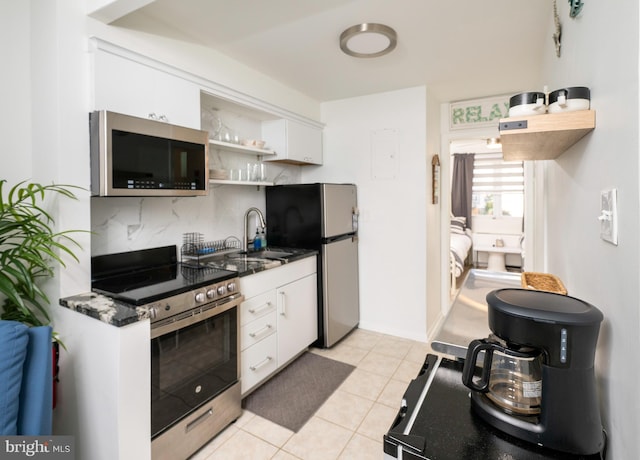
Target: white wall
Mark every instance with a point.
(600, 50)
(433, 285)
(15, 92)
(392, 199)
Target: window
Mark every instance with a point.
(498, 186)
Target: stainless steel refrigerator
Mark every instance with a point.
(322, 217)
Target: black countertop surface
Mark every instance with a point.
(442, 426)
(117, 313)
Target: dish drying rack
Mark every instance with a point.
(195, 249)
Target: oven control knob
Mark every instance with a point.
(222, 290)
(211, 293)
(231, 287)
(153, 313)
(200, 297)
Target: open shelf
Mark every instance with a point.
(238, 182)
(544, 137)
(237, 148)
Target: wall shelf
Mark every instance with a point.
(238, 182)
(237, 148)
(544, 137)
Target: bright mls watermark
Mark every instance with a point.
(37, 447)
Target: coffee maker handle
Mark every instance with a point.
(474, 348)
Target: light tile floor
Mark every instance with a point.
(350, 424)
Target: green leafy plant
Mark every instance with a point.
(29, 250)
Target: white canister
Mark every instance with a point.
(527, 104)
(569, 99)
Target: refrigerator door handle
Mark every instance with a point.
(355, 214)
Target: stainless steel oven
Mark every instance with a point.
(195, 370)
(195, 342)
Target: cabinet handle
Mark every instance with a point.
(262, 363)
(267, 328)
(156, 117)
(262, 307)
(283, 310)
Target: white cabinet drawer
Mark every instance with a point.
(255, 331)
(257, 306)
(258, 362)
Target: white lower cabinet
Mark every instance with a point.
(278, 319)
(297, 317)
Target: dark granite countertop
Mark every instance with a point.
(105, 309)
(120, 314)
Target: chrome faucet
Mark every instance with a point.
(245, 240)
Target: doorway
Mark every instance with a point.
(497, 219)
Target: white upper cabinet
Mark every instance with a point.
(130, 83)
(293, 142)
(132, 88)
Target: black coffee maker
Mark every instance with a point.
(537, 380)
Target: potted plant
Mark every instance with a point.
(29, 249)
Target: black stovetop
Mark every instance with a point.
(140, 277)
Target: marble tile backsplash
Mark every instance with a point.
(126, 224)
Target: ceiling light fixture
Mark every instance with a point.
(494, 143)
(368, 40)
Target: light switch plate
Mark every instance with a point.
(609, 215)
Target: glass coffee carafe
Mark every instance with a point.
(515, 383)
(511, 379)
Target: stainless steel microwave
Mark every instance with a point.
(133, 156)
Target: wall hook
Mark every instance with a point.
(575, 7)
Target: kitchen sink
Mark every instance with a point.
(245, 258)
(267, 254)
(260, 255)
(252, 262)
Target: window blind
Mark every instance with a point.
(491, 174)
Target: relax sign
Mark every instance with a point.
(478, 113)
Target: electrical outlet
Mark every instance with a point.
(609, 216)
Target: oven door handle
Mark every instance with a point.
(199, 420)
(162, 327)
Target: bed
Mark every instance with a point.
(459, 248)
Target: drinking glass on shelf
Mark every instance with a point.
(252, 172)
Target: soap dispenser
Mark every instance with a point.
(257, 240)
(263, 239)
